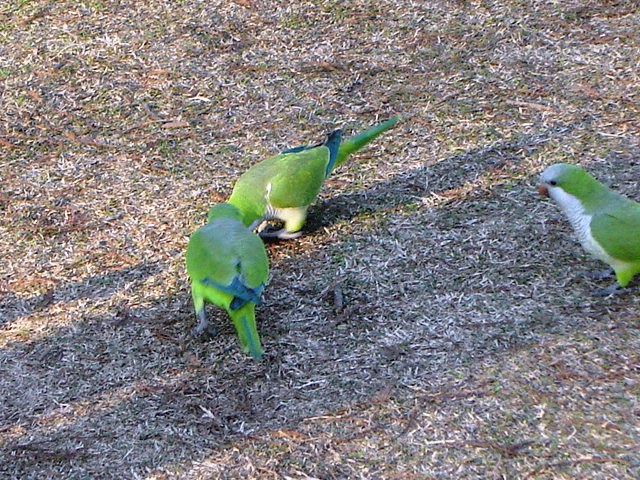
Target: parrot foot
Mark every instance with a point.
(614, 289)
(281, 234)
(204, 333)
(258, 225)
(204, 329)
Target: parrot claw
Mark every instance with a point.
(257, 225)
(204, 330)
(204, 333)
(266, 230)
(281, 234)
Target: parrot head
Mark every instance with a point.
(567, 184)
(224, 210)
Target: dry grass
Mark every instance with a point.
(432, 323)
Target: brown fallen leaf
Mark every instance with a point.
(176, 124)
(533, 106)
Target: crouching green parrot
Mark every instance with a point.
(228, 266)
(282, 187)
(607, 224)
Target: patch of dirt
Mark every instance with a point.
(431, 323)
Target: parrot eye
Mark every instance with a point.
(553, 183)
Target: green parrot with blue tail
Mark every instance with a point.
(283, 186)
(606, 223)
(228, 267)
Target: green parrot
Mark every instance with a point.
(282, 187)
(228, 266)
(607, 224)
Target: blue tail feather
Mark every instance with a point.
(253, 343)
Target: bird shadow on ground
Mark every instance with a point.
(434, 178)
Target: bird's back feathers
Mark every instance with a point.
(293, 178)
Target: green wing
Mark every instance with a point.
(202, 263)
(291, 179)
(254, 264)
(618, 230)
(297, 177)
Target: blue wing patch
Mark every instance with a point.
(296, 149)
(333, 144)
(241, 293)
(301, 148)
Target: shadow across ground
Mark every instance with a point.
(133, 389)
(436, 178)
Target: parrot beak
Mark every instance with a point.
(543, 190)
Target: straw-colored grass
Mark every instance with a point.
(431, 323)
